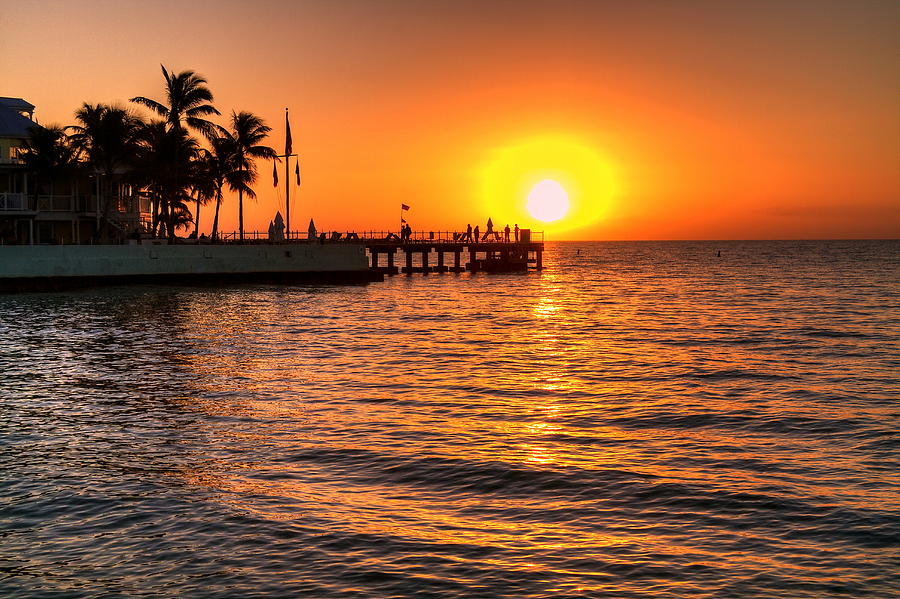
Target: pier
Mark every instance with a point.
(429, 252)
(441, 255)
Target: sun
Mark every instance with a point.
(553, 183)
(548, 201)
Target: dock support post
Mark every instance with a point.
(408, 263)
(539, 263)
(440, 264)
(425, 269)
(390, 256)
(456, 267)
(374, 258)
(472, 254)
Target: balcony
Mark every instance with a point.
(129, 206)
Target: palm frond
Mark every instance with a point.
(206, 128)
(153, 105)
(200, 111)
(263, 152)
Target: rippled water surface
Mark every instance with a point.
(638, 420)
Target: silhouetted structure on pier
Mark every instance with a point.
(487, 255)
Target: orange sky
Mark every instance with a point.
(708, 120)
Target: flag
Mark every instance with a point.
(404, 207)
(402, 220)
(288, 145)
(297, 170)
(274, 174)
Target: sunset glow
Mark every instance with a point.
(552, 182)
(453, 298)
(671, 121)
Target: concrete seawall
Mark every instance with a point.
(41, 267)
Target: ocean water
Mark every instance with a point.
(637, 420)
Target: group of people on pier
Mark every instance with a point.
(472, 235)
(276, 233)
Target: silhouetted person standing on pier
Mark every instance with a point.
(475, 233)
(506, 233)
(517, 232)
(489, 231)
(469, 232)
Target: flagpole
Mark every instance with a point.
(287, 179)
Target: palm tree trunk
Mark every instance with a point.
(241, 205)
(197, 220)
(154, 214)
(215, 227)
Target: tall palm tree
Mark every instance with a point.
(203, 184)
(247, 131)
(107, 136)
(220, 169)
(188, 100)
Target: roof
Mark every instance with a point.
(17, 104)
(12, 122)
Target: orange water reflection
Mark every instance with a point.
(363, 444)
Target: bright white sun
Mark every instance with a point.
(548, 201)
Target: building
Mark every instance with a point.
(60, 209)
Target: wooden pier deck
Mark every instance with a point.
(440, 255)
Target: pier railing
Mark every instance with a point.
(416, 237)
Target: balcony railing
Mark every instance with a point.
(13, 201)
(58, 203)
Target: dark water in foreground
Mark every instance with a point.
(639, 420)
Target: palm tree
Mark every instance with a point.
(220, 169)
(179, 217)
(203, 184)
(247, 131)
(108, 138)
(188, 103)
(188, 100)
(165, 156)
(48, 155)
